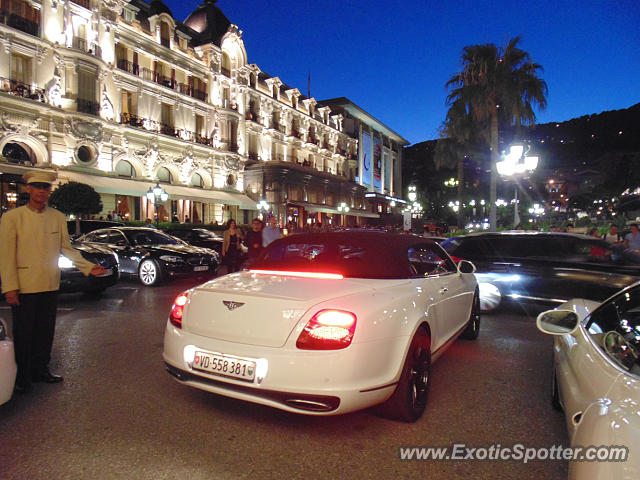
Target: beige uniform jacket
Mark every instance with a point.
(30, 245)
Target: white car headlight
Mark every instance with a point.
(170, 258)
(64, 262)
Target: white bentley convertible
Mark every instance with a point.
(326, 324)
(596, 380)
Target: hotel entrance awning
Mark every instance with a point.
(125, 186)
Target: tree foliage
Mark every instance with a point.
(76, 198)
(498, 86)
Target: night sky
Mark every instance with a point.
(393, 58)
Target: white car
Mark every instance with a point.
(325, 324)
(596, 378)
(8, 367)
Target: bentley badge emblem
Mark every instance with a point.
(232, 305)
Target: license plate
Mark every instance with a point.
(225, 366)
(201, 268)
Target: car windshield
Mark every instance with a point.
(150, 237)
(355, 257)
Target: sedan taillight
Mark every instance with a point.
(175, 317)
(328, 330)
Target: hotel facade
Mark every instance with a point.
(123, 97)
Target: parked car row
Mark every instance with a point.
(151, 255)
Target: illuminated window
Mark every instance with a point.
(164, 175)
(125, 169)
(129, 15)
(20, 68)
(197, 181)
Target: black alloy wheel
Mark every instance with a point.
(473, 325)
(409, 400)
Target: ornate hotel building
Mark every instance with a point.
(122, 96)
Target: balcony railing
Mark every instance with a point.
(151, 76)
(20, 23)
(165, 129)
(19, 89)
(80, 43)
(88, 106)
(204, 140)
(165, 42)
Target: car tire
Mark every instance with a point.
(410, 397)
(555, 393)
(149, 273)
(473, 325)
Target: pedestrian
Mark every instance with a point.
(612, 236)
(271, 232)
(187, 220)
(253, 240)
(232, 247)
(632, 239)
(33, 237)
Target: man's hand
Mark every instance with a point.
(98, 270)
(12, 297)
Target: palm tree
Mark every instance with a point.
(496, 85)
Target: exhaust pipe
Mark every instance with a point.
(309, 405)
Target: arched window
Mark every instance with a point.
(164, 34)
(226, 64)
(16, 153)
(197, 180)
(125, 169)
(164, 175)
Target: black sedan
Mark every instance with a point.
(198, 237)
(153, 256)
(541, 267)
(73, 280)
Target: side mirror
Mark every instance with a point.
(557, 322)
(465, 266)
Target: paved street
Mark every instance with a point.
(118, 414)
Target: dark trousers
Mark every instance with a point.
(34, 324)
(233, 260)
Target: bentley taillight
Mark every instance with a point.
(328, 330)
(175, 317)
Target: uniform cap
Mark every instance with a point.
(39, 177)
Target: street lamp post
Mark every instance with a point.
(516, 164)
(343, 208)
(157, 195)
